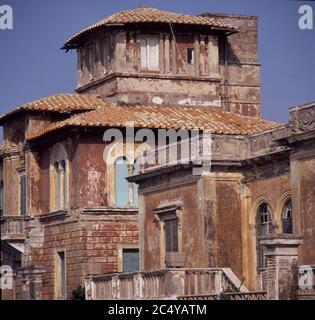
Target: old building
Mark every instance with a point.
(69, 214)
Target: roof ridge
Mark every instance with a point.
(144, 14)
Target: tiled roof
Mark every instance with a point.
(60, 103)
(151, 15)
(163, 117)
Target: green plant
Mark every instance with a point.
(78, 293)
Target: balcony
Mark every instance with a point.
(162, 284)
(13, 228)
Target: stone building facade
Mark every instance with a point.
(67, 211)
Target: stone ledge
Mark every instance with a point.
(61, 214)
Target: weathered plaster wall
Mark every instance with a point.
(192, 224)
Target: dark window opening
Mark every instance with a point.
(191, 55)
(287, 217)
(1, 197)
(23, 195)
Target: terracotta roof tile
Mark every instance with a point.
(60, 103)
(151, 15)
(164, 117)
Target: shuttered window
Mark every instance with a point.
(130, 260)
(23, 195)
(149, 53)
(171, 235)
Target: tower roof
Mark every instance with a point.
(150, 15)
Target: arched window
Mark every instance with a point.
(264, 227)
(59, 176)
(287, 217)
(121, 184)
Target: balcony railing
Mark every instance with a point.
(162, 284)
(229, 296)
(12, 228)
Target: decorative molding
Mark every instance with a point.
(56, 215)
(110, 210)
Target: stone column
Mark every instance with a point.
(281, 252)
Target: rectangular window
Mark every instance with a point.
(130, 260)
(149, 53)
(23, 195)
(190, 55)
(171, 235)
(60, 282)
(1, 198)
(105, 53)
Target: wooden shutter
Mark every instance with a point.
(23, 195)
(171, 235)
(143, 51)
(130, 260)
(153, 44)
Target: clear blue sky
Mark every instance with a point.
(32, 64)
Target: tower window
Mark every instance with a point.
(190, 55)
(149, 53)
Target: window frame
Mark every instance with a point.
(264, 228)
(162, 213)
(148, 57)
(60, 282)
(287, 206)
(59, 176)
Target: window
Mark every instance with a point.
(287, 217)
(121, 184)
(190, 55)
(130, 260)
(149, 53)
(60, 275)
(1, 197)
(105, 53)
(61, 185)
(59, 179)
(264, 227)
(23, 194)
(171, 235)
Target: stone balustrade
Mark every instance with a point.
(162, 284)
(228, 296)
(12, 227)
